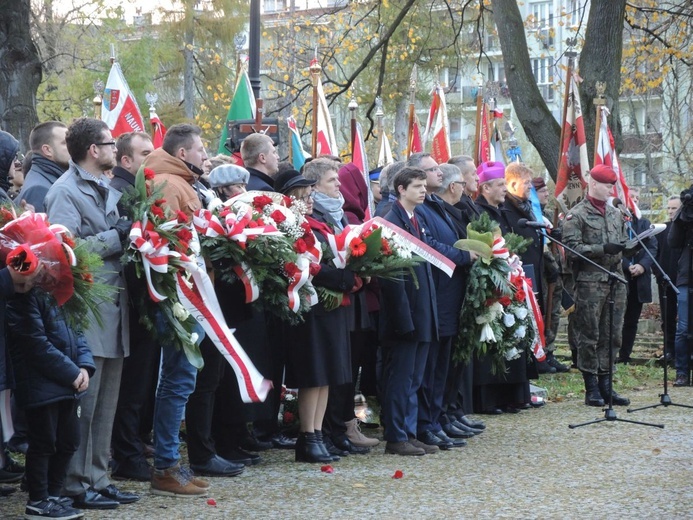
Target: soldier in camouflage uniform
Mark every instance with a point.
(597, 231)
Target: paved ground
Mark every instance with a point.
(529, 465)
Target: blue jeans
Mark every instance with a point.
(176, 382)
(681, 343)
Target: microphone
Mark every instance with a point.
(622, 207)
(524, 223)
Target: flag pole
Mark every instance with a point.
(315, 70)
(571, 54)
(479, 104)
(353, 105)
(291, 149)
(379, 115)
(599, 102)
(412, 107)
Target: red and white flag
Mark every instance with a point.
(158, 128)
(574, 163)
(437, 123)
(326, 142)
(360, 160)
(483, 154)
(415, 143)
(120, 111)
(606, 154)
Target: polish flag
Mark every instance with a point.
(415, 144)
(483, 154)
(360, 160)
(326, 142)
(158, 129)
(574, 163)
(606, 154)
(437, 123)
(120, 111)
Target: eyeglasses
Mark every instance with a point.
(19, 159)
(109, 143)
(432, 169)
(461, 183)
(305, 198)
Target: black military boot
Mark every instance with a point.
(604, 391)
(592, 397)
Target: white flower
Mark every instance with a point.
(512, 353)
(487, 334)
(194, 337)
(508, 320)
(496, 309)
(289, 397)
(521, 312)
(521, 332)
(483, 318)
(180, 312)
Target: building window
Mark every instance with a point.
(272, 6)
(542, 68)
(542, 14)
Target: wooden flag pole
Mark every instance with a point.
(599, 102)
(315, 70)
(412, 108)
(477, 132)
(353, 105)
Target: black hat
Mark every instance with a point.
(290, 179)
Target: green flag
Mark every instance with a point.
(242, 107)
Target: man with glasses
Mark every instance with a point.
(441, 234)
(84, 203)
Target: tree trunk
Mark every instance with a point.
(542, 130)
(20, 71)
(600, 60)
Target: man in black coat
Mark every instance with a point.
(261, 159)
(638, 272)
(134, 415)
(50, 160)
(492, 192)
(470, 211)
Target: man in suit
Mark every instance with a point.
(82, 201)
(408, 324)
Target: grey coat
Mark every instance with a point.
(90, 211)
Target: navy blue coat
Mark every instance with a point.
(46, 353)
(408, 312)
(643, 283)
(259, 181)
(496, 213)
(441, 234)
(6, 290)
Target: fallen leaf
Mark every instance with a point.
(398, 474)
(656, 451)
(211, 502)
(327, 469)
(359, 485)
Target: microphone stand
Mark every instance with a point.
(609, 412)
(664, 399)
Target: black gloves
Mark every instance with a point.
(123, 226)
(556, 233)
(613, 249)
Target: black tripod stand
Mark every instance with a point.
(609, 412)
(664, 398)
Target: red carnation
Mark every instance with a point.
(259, 222)
(288, 417)
(148, 174)
(505, 301)
(261, 201)
(358, 247)
(387, 250)
(252, 224)
(157, 211)
(314, 268)
(160, 202)
(309, 239)
(300, 246)
(278, 216)
(184, 234)
(520, 295)
(182, 217)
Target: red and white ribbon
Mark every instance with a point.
(154, 251)
(518, 274)
(198, 297)
(245, 275)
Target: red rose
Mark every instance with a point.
(505, 301)
(287, 201)
(309, 239)
(278, 216)
(291, 269)
(182, 217)
(314, 268)
(252, 224)
(306, 227)
(149, 174)
(288, 417)
(259, 222)
(387, 251)
(185, 235)
(261, 201)
(157, 211)
(520, 295)
(300, 246)
(358, 247)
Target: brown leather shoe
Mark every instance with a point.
(403, 448)
(429, 449)
(175, 482)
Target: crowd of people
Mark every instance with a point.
(94, 405)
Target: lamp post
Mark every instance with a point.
(254, 47)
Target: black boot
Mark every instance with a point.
(573, 358)
(333, 454)
(604, 391)
(308, 449)
(592, 397)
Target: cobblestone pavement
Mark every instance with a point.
(529, 465)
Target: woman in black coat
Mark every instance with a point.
(318, 350)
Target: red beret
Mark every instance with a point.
(538, 183)
(604, 174)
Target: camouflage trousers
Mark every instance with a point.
(555, 311)
(591, 323)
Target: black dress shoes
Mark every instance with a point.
(251, 443)
(456, 443)
(493, 411)
(92, 499)
(510, 409)
(122, 497)
(432, 439)
(465, 428)
(456, 433)
(240, 456)
(477, 425)
(282, 442)
(218, 467)
(343, 443)
(139, 470)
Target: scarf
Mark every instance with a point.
(599, 205)
(333, 206)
